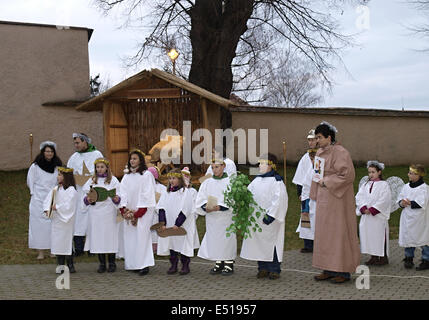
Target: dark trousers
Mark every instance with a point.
(79, 243)
(270, 266)
(308, 244)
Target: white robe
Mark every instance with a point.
(103, 230)
(304, 166)
(138, 191)
(161, 189)
(173, 203)
(40, 184)
(272, 196)
(414, 223)
(215, 244)
(76, 162)
(62, 224)
(230, 168)
(308, 233)
(194, 194)
(374, 230)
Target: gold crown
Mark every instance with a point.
(418, 172)
(138, 151)
(269, 162)
(101, 160)
(218, 161)
(65, 169)
(174, 174)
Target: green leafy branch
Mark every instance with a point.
(245, 210)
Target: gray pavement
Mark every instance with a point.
(38, 281)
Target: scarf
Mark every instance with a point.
(417, 183)
(89, 149)
(271, 173)
(48, 166)
(225, 175)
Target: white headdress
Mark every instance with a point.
(82, 136)
(48, 143)
(311, 134)
(375, 163)
(330, 126)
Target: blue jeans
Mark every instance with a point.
(270, 266)
(409, 252)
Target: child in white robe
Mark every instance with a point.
(216, 246)
(102, 234)
(373, 204)
(266, 247)
(137, 207)
(63, 206)
(414, 222)
(303, 171)
(176, 210)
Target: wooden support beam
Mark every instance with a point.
(159, 93)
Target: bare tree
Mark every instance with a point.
(218, 39)
(293, 83)
(423, 29)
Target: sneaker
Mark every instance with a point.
(217, 269)
(228, 269)
(423, 265)
(408, 262)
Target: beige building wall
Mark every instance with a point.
(392, 137)
(41, 64)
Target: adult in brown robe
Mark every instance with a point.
(336, 246)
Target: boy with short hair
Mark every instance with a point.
(414, 225)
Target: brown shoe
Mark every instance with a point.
(262, 274)
(382, 261)
(339, 279)
(372, 261)
(273, 275)
(322, 276)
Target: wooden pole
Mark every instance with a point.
(31, 147)
(284, 160)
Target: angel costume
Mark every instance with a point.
(138, 194)
(102, 233)
(216, 246)
(63, 217)
(270, 193)
(374, 227)
(40, 183)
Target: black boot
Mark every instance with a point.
(185, 260)
(408, 262)
(69, 260)
(60, 262)
(423, 265)
(112, 264)
(102, 266)
(174, 260)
